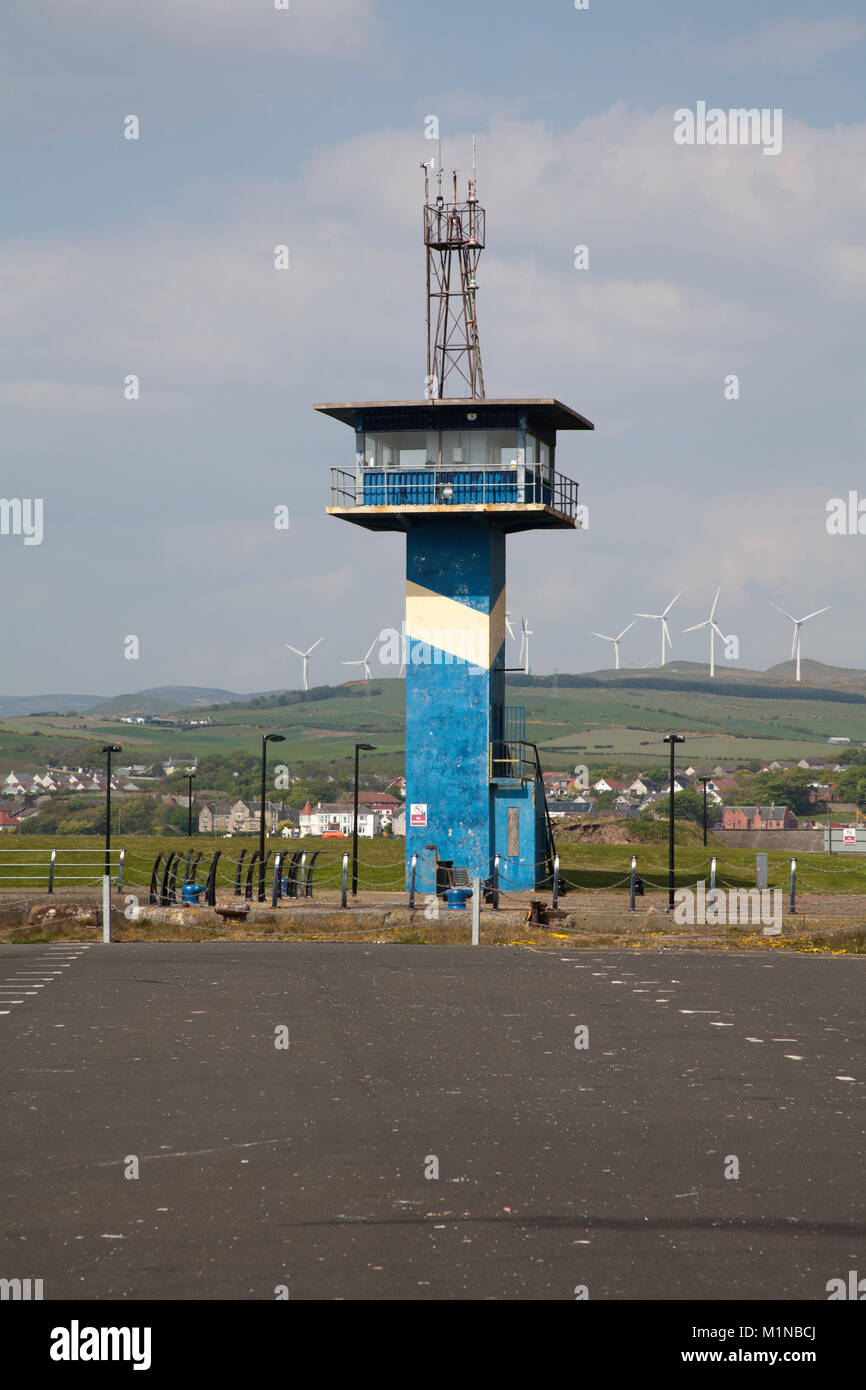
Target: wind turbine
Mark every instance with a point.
(714, 628)
(525, 634)
(365, 661)
(616, 641)
(305, 657)
(663, 619)
(798, 623)
(508, 625)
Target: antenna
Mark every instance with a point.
(454, 238)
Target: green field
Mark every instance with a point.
(24, 862)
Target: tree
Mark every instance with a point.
(789, 788)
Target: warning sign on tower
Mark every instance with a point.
(418, 813)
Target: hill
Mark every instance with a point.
(14, 706)
(603, 719)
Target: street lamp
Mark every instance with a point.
(189, 778)
(359, 748)
(705, 780)
(673, 740)
(108, 749)
(266, 739)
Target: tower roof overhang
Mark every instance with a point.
(435, 414)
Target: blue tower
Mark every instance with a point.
(457, 475)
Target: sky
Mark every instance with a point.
(305, 127)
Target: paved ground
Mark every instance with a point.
(305, 1166)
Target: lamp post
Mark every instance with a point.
(705, 780)
(266, 739)
(108, 749)
(359, 748)
(673, 740)
(189, 778)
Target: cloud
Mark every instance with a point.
(309, 29)
(793, 42)
(702, 261)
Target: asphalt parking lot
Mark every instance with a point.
(402, 1122)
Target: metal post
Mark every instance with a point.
(631, 889)
(106, 907)
(556, 880)
(189, 807)
(367, 748)
(705, 780)
(345, 882)
(673, 740)
(238, 874)
(51, 871)
(712, 898)
(302, 876)
(262, 823)
(355, 829)
(108, 749)
(278, 869)
(476, 911)
(412, 871)
(793, 885)
(120, 871)
(496, 881)
(671, 870)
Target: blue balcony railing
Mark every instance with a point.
(451, 487)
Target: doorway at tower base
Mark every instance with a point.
(517, 834)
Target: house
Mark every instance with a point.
(214, 818)
(337, 818)
(608, 784)
(759, 818)
(239, 818)
(643, 786)
(8, 822)
(379, 801)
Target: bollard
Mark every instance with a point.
(793, 885)
(760, 871)
(345, 884)
(277, 885)
(712, 898)
(120, 872)
(412, 871)
(556, 881)
(106, 907)
(495, 901)
(476, 911)
(631, 890)
(51, 871)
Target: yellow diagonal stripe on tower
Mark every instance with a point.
(454, 627)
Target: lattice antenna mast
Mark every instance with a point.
(454, 237)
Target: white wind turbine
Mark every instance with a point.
(616, 641)
(714, 628)
(305, 657)
(525, 634)
(663, 619)
(798, 623)
(508, 624)
(364, 661)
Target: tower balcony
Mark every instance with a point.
(495, 459)
(523, 495)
